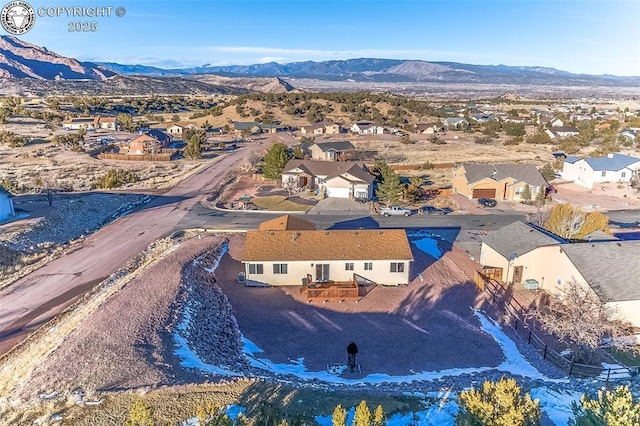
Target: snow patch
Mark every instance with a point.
(429, 246)
(556, 405)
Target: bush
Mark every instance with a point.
(615, 407)
(115, 178)
(12, 139)
(512, 141)
(498, 404)
(428, 165)
(483, 140)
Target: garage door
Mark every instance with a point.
(337, 192)
(484, 193)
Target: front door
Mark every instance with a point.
(322, 272)
(517, 274)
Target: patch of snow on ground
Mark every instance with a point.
(556, 405)
(440, 413)
(225, 249)
(429, 246)
(617, 372)
(233, 411)
(514, 362)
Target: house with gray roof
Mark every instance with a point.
(6, 205)
(499, 181)
(531, 255)
(455, 123)
(339, 179)
(610, 168)
(559, 132)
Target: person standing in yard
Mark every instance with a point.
(352, 351)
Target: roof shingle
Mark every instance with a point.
(519, 238)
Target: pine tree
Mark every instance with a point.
(526, 192)
(613, 408)
(275, 160)
(379, 417)
(547, 172)
(498, 404)
(141, 414)
(193, 148)
(390, 188)
(362, 416)
(339, 417)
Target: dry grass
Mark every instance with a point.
(279, 203)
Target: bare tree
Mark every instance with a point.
(565, 221)
(290, 185)
(579, 318)
(47, 185)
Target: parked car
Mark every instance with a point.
(431, 210)
(551, 190)
(487, 202)
(362, 200)
(395, 211)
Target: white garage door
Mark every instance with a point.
(337, 192)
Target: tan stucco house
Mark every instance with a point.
(278, 254)
(605, 265)
(499, 181)
(331, 151)
(339, 179)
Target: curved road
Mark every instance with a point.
(38, 297)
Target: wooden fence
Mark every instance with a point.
(504, 302)
(165, 156)
(421, 166)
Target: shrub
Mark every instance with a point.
(115, 178)
(615, 407)
(483, 140)
(497, 404)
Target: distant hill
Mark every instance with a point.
(394, 70)
(19, 59)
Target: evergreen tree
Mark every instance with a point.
(379, 417)
(141, 414)
(526, 193)
(498, 404)
(339, 417)
(547, 172)
(126, 122)
(275, 160)
(362, 416)
(297, 152)
(193, 148)
(390, 188)
(613, 408)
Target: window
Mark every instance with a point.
(279, 268)
(604, 173)
(255, 268)
(348, 266)
(368, 266)
(519, 190)
(397, 266)
(623, 174)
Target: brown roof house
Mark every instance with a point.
(533, 258)
(285, 256)
(338, 179)
(143, 144)
(500, 181)
(90, 123)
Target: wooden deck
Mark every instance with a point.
(331, 290)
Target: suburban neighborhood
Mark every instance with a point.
(274, 227)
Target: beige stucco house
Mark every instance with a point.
(284, 251)
(90, 123)
(331, 151)
(499, 181)
(606, 266)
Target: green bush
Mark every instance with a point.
(115, 178)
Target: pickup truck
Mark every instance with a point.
(395, 211)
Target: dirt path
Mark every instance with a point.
(103, 253)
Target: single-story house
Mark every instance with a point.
(6, 205)
(426, 129)
(562, 132)
(177, 128)
(90, 123)
(455, 123)
(608, 268)
(341, 179)
(333, 129)
(556, 122)
(286, 256)
(610, 168)
(366, 128)
(499, 181)
(629, 135)
(331, 151)
(313, 129)
(249, 126)
(483, 118)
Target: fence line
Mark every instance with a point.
(506, 303)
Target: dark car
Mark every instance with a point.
(431, 210)
(487, 202)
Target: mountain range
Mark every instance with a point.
(24, 61)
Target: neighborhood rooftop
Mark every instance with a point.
(286, 223)
(612, 162)
(329, 168)
(610, 267)
(336, 145)
(520, 172)
(367, 245)
(519, 238)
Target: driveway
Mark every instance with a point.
(339, 206)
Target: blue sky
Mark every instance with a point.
(582, 36)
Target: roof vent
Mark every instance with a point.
(609, 155)
(619, 244)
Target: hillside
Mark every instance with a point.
(19, 59)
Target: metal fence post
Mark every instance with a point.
(544, 355)
(516, 324)
(529, 338)
(608, 373)
(571, 366)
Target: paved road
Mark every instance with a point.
(33, 300)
